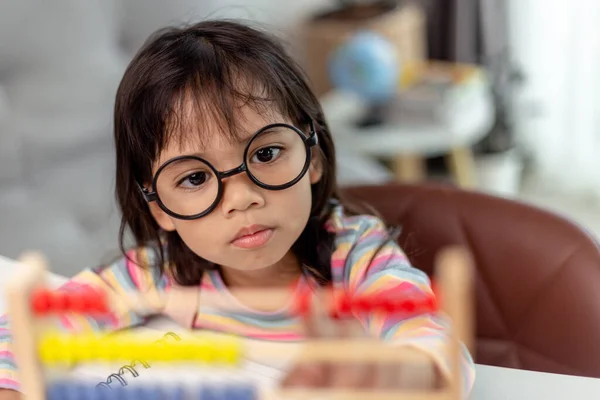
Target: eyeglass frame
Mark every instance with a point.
(309, 141)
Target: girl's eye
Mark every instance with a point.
(194, 180)
(266, 154)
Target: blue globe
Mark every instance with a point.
(368, 65)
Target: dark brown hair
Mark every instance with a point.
(218, 64)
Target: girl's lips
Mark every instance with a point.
(253, 240)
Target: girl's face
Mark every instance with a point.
(251, 228)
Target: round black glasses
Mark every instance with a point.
(275, 158)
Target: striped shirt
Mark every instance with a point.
(364, 261)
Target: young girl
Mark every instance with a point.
(226, 180)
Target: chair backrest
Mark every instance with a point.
(538, 274)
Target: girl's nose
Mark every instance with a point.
(240, 194)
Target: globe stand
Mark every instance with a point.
(376, 115)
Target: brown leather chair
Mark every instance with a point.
(537, 283)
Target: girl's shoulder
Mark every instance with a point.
(146, 264)
(353, 226)
(359, 241)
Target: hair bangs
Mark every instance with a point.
(215, 91)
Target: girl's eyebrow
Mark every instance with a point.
(243, 140)
(204, 153)
(240, 140)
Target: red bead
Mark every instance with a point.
(430, 304)
(77, 302)
(95, 302)
(376, 302)
(344, 304)
(41, 302)
(408, 306)
(387, 304)
(362, 304)
(302, 306)
(341, 306)
(60, 302)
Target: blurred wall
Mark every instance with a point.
(60, 64)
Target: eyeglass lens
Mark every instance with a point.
(275, 157)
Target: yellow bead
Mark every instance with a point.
(167, 350)
(123, 348)
(229, 351)
(184, 350)
(204, 351)
(106, 349)
(161, 353)
(50, 348)
(156, 354)
(67, 351)
(79, 345)
(144, 352)
(174, 352)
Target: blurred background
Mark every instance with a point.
(499, 96)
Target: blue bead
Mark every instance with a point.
(74, 391)
(119, 393)
(114, 394)
(142, 393)
(90, 393)
(176, 393)
(153, 393)
(109, 394)
(240, 392)
(130, 394)
(56, 391)
(134, 393)
(210, 392)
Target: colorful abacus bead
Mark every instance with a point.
(227, 392)
(41, 301)
(65, 390)
(174, 393)
(183, 350)
(210, 392)
(362, 304)
(341, 305)
(56, 391)
(386, 304)
(88, 302)
(55, 349)
(240, 392)
(148, 392)
(81, 301)
(431, 304)
(65, 349)
(303, 302)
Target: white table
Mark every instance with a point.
(408, 144)
(492, 383)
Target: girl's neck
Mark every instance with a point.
(282, 274)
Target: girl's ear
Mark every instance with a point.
(315, 170)
(163, 219)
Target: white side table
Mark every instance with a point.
(408, 145)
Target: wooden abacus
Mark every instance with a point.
(28, 298)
